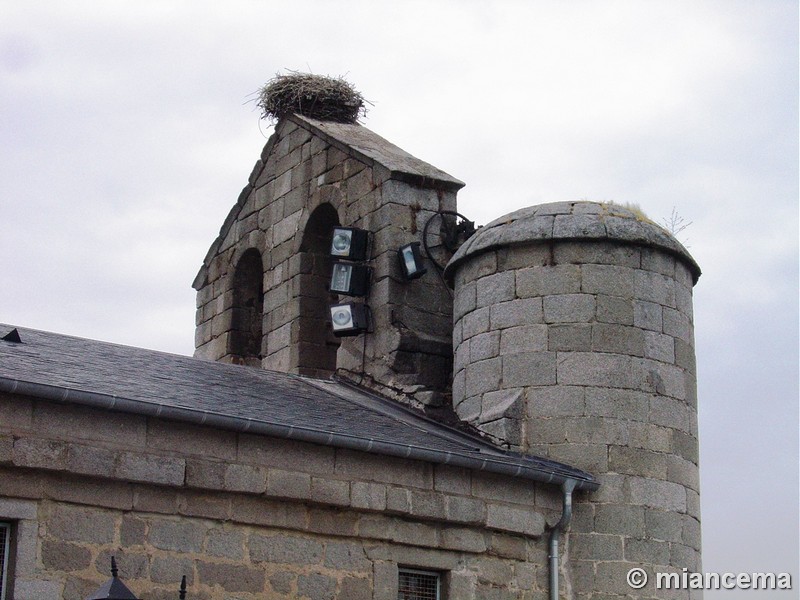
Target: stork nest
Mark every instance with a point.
(313, 96)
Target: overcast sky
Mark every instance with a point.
(127, 130)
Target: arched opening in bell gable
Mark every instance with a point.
(248, 310)
(317, 346)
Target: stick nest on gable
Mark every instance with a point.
(313, 96)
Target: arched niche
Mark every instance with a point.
(317, 346)
(247, 317)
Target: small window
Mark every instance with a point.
(418, 585)
(5, 544)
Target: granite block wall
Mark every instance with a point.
(582, 350)
(302, 174)
(248, 516)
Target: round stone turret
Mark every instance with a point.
(573, 340)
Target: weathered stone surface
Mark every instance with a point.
(594, 369)
(271, 452)
(398, 500)
(617, 339)
(167, 470)
(663, 525)
(612, 309)
(620, 519)
(465, 510)
(569, 338)
(590, 457)
(316, 586)
(68, 422)
(569, 308)
(41, 589)
(245, 478)
(452, 480)
(476, 321)
(525, 338)
(499, 287)
(483, 376)
(463, 539)
(200, 441)
(482, 346)
(346, 557)
(596, 546)
(529, 369)
(517, 312)
(285, 550)
(366, 467)
(226, 543)
(82, 524)
(65, 556)
(233, 578)
(659, 347)
(635, 461)
(648, 315)
(371, 496)
(555, 401)
(288, 484)
(179, 536)
(355, 588)
(658, 494)
(330, 491)
(264, 512)
(132, 531)
(169, 569)
(654, 287)
(88, 460)
(46, 454)
(509, 518)
(548, 280)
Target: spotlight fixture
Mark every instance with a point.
(411, 261)
(349, 243)
(349, 319)
(350, 279)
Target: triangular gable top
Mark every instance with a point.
(370, 148)
(354, 140)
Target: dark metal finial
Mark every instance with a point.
(12, 336)
(114, 570)
(183, 588)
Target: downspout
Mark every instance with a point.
(555, 535)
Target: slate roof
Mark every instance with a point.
(109, 376)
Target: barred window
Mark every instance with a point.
(418, 585)
(5, 543)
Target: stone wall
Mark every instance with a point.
(249, 516)
(301, 170)
(583, 351)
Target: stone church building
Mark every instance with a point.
(518, 422)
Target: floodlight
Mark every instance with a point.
(349, 319)
(349, 278)
(349, 243)
(411, 261)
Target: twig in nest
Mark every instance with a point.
(314, 96)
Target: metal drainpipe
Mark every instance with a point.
(555, 535)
